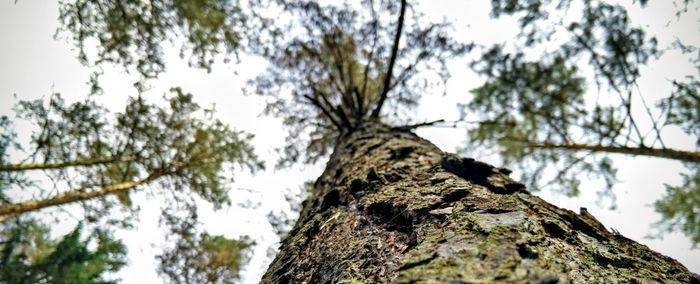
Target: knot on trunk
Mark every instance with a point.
(493, 178)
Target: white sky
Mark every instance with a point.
(33, 65)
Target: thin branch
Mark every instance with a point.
(339, 87)
(417, 125)
(78, 163)
(680, 155)
(654, 122)
(392, 61)
(8, 210)
(370, 58)
(562, 172)
(338, 110)
(611, 82)
(360, 103)
(325, 111)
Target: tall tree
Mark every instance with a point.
(393, 206)
(84, 155)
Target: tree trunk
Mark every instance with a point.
(392, 207)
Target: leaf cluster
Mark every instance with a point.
(134, 33)
(199, 257)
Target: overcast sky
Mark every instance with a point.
(32, 65)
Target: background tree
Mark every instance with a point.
(535, 107)
(133, 34)
(28, 255)
(176, 152)
(200, 257)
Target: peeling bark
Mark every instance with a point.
(392, 207)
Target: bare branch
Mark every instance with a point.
(78, 163)
(685, 156)
(392, 61)
(418, 125)
(360, 103)
(325, 111)
(339, 111)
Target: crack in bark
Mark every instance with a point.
(410, 265)
(391, 217)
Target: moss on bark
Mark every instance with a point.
(392, 207)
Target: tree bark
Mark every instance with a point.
(392, 207)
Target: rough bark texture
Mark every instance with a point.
(392, 207)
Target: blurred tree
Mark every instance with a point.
(133, 33)
(28, 255)
(200, 257)
(536, 109)
(83, 154)
(103, 158)
(342, 74)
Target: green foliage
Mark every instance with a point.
(202, 258)
(7, 138)
(180, 145)
(543, 102)
(27, 255)
(540, 116)
(174, 151)
(525, 102)
(680, 207)
(133, 33)
(683, 107)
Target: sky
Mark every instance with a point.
(33, 65)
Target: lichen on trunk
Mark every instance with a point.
(392, 207)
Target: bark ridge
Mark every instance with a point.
(392, 207)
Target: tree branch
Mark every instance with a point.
(417, 125)
(362, 94)
(325, 111)
(680, 155)
(7, 210)
(392, 61)
(338, 110)
(78, 163)
(360, 103)
(611, 81)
